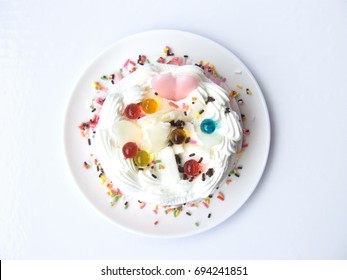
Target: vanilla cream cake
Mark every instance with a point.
(167, 135)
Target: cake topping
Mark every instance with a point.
(132, 111)
(129, 150)
(142, 59)
(142, 158)
(178, 136)
(191, 167)
(168, 51)
(149, 106)
(210, 172)
(208, 126)
(174, 87)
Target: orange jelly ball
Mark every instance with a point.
(149, 106)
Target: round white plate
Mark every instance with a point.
(253, 160)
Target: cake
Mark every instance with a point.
(166, 134)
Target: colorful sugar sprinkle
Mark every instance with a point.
(234, 93)
(142, 204)
(161, 60)
(245, 131)
(97, 86)
(220, 196)
(168, 51)
(173, 105)
(177, 211)
(102, 179)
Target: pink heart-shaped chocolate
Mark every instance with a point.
(174, 88)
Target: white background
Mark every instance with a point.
(295, 49)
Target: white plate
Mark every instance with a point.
(253, 159)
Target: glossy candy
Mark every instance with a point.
(149, 106)
(132, 111)
(142, 158)
(178, 136)
(191, 167)
(129, 150)
(208, 126)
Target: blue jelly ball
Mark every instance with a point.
(208, 126)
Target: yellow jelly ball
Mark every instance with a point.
(142, 158)
(149, 106)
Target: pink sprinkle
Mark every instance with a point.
(192, 142)
(142, 59)
(142, 205)
(205, 204)
(217, 81)
(132, 62)
(245, 131)
(94, 121)
(156, 222)
(183, 105)
(161, 60)
(173, 105)
(99, 101)
(126, 63)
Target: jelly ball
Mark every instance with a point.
(142, 158)
(149, 106)
(208, 126)
(178, 136)
(191, 167)
(129, 150)
(132, 111)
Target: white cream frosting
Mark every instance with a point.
(151, 132)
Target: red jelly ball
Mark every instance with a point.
(132, 111)
(191, 167)
(130, 150)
